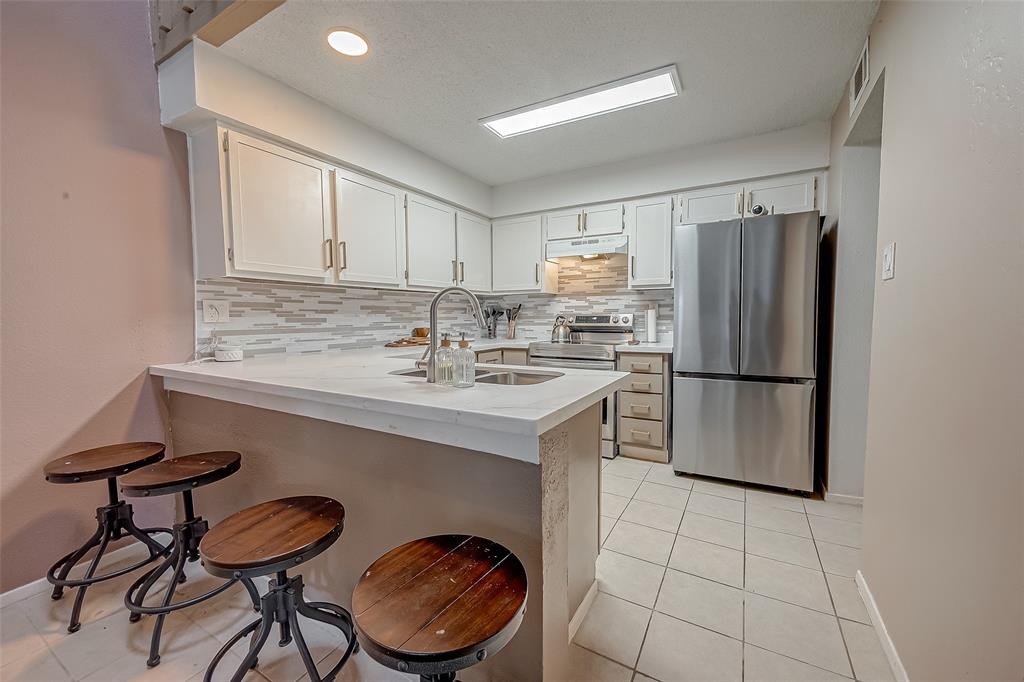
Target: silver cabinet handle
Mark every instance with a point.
(342, 256)
(750, 201)
(536, 273)
(644, 384)
(645, 435)
(329, 243)
(462, 271)
(635, 365)
(455, 271)
(639, 408)
(739, 202)
(584, 222)
(579, 223)
(633, 266)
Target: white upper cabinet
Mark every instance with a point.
(430, 230)
(709, 204)
(518, 256)
(473, 247)
(788, 194)
(564, 224)
(603, 219)
(649, 226)
(370, 221)
(280, 208)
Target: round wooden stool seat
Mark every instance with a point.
(272, 536)
(107, 461)
(181, 473)
(439, 604)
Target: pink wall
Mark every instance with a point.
(96, 261)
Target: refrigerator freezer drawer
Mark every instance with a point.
(751, 431)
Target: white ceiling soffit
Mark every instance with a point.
(436, 67)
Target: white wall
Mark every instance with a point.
(201, 84)
(943, 539)
(784, 151)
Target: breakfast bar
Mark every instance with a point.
(517, 463)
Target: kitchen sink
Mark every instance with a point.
(517, 378)
(422, 373)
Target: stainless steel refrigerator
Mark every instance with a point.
(744, 349)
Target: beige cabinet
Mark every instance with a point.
(489, 357)
(280, 210)
(643, 407)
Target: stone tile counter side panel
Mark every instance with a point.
(277, 317)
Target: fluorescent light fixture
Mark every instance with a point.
(348, 42)
(643, 88)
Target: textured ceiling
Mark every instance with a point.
(436, 67)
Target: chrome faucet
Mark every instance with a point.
(428, 354)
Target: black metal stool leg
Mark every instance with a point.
(154, 644)
(253, 593)
(76, 610)
(148, 581)
(300, 644)
(253, 627)
(70, 560)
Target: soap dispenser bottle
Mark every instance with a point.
(443, 358)
(465, 364)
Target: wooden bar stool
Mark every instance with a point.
(113, 521)
(178, 475)
(266, 540)
(439, 605)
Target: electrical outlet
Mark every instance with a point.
(216, 311)
(889, 261)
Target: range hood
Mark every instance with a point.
(587, 246)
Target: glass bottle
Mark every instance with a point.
(464, 364)
(443, 362)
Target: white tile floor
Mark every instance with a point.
(700, 580)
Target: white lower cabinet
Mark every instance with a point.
(370, 220)
(280, 210)
(649, 226)
(518, 256)
(430, 238)
(473, 248)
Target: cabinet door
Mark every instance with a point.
(371, 230)
(649, 225)
(473, 239)
(518, 252)
(790, 194)
(280, 210)
(603, 219)
(564, 224)
(431, 243)
(709, 205)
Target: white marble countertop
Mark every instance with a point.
(356, 387)
(662, 346)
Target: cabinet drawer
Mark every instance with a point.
(489, 357)
(648, 364)
(640, 405)
(644, 383)
(641, 432)
(514, 356)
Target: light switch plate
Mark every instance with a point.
(889, 261)
(215, 311)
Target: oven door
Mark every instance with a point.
(607, 405)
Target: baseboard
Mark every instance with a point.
(42, 585)
(899, 673)
(581, 612)
(844, 499)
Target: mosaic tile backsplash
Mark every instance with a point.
(275, 317)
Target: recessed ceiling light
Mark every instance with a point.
(643, 88)
(348, 42)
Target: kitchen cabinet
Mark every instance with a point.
(709, 204)
(489, 357)
(787, 194)
(644, 406)
(649, 226)
(514, 356)
(280, 210)
(473, 250)
(603, 219)
(430, 239)
(588, 221)
(370, 219)
(517, 248)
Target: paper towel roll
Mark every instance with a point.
(652, 324)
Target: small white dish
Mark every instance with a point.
(227, 353)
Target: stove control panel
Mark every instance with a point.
(615, 321)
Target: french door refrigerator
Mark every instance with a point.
(744, 349)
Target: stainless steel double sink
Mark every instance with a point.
(503, 377)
